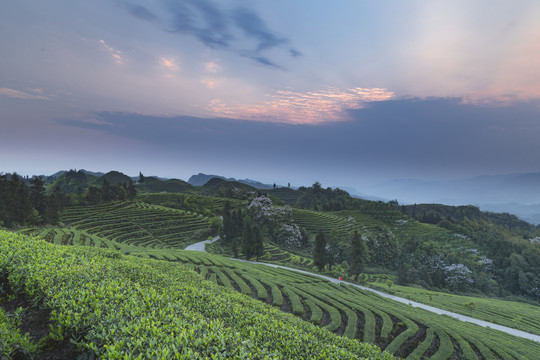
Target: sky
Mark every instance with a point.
(346, 93)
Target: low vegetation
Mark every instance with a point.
(113, 306)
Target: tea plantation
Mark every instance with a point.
(121, 307)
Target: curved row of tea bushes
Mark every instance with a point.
(125, 307)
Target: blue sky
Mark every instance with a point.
(342, 92)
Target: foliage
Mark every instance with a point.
(72, 182)
(355, 313)
(24, 205)
(150, 184)
(14, 345)
(359, 255)
(319, 251)
(278, 220)
(121, 307)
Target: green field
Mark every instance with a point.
(122, 307)
(399, 328)
(154, 228)
(138, 223)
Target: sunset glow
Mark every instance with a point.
(369, 89)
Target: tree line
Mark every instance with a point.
(240, 233)
(28, 204)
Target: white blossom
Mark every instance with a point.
(458, 275)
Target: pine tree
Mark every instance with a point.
(319, 251)
(359, 255)
(247, 239)
(234, 246)
(37, 196)
(258, 242)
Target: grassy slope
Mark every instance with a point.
(347, 303)
(117, 306)
(396, 327)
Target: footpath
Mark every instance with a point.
(201, 246)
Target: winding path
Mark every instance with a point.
(200, 246)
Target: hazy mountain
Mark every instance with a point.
(357, 194)
(514, 193)
(201, 179)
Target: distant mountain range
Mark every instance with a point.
(200, 179)
(517, 194)
(514, 193)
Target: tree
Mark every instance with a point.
(227, 229)
(319, 251)
(132, 192)
(258, 245)
(247, 239)
(106, 191)
(37, 196)
(234, 246)
(15, 204)
(359, 255)
(93, 195)
(141, 177)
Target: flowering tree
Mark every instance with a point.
(278, 220)
(458, 276)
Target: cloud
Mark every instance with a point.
(169, 64)
(141, 12)
(209, 83)
(115, 54)
(405, 136)
(295, 53)
(309, 107)
(212, 67)
(31, 94)
(217, 28)
(201, 19)
(260, 60)
(253, 26)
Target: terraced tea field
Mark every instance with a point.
(123, 307)
(315, 221)
(401, 329)
(137, 224)
(512, 314)
(157, 232)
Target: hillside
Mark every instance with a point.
(114, 178)
(152, 184)
(72, 182)
(433, 247)
(113, 306)
(355, 314)
(200, 179)
(514, 193)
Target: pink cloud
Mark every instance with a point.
(32, 94)
(311, 107)
(169, 64)
(116, 54)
